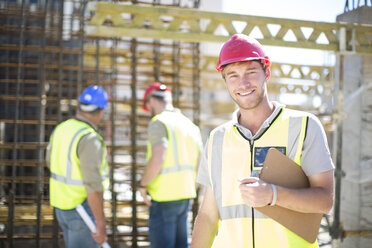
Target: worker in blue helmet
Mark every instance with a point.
(76, 156)
(93, 97)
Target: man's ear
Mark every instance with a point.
(268, 74)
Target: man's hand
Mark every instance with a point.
(255, 192)
(100, 236)
(144, 195)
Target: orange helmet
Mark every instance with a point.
(241, 48)
(155, 89)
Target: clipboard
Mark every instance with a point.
(278, 169)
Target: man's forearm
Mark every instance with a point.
(204, 232)
(95, 201)
(316, 199)
(206, 223)
(310, 200)
(151, 171)
(154, 164)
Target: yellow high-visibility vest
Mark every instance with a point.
(176, 179)
(66, 183)
(231, 156)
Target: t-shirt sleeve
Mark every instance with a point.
(203, 177)
(157, 133)
(198, 139)
(316, 157)
(90, 152)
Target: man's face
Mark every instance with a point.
(245, 82)
(149, 105)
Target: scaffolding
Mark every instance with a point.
(51, 50)
(46, 61)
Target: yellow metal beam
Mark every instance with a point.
(190, 25)
(317, 74)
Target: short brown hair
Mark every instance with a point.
(264, 66)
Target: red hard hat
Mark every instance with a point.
(241, 48)
(159, 87)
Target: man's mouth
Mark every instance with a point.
(245, 93)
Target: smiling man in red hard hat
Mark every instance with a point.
(237, 149)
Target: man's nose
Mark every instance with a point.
(244, 80)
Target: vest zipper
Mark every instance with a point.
(251, 143)
(253, 235)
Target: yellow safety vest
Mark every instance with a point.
(231, 156)
(66, 184)
(176, 179)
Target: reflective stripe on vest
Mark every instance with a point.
(68, 178)
(230, 157)
(177, 167)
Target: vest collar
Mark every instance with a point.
(171, 109)
(246, 132)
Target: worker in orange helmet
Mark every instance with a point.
(174, 145)
(237, 149)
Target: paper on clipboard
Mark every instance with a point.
(280, 170)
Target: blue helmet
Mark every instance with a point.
(94, 95)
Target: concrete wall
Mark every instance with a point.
(356, 186)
